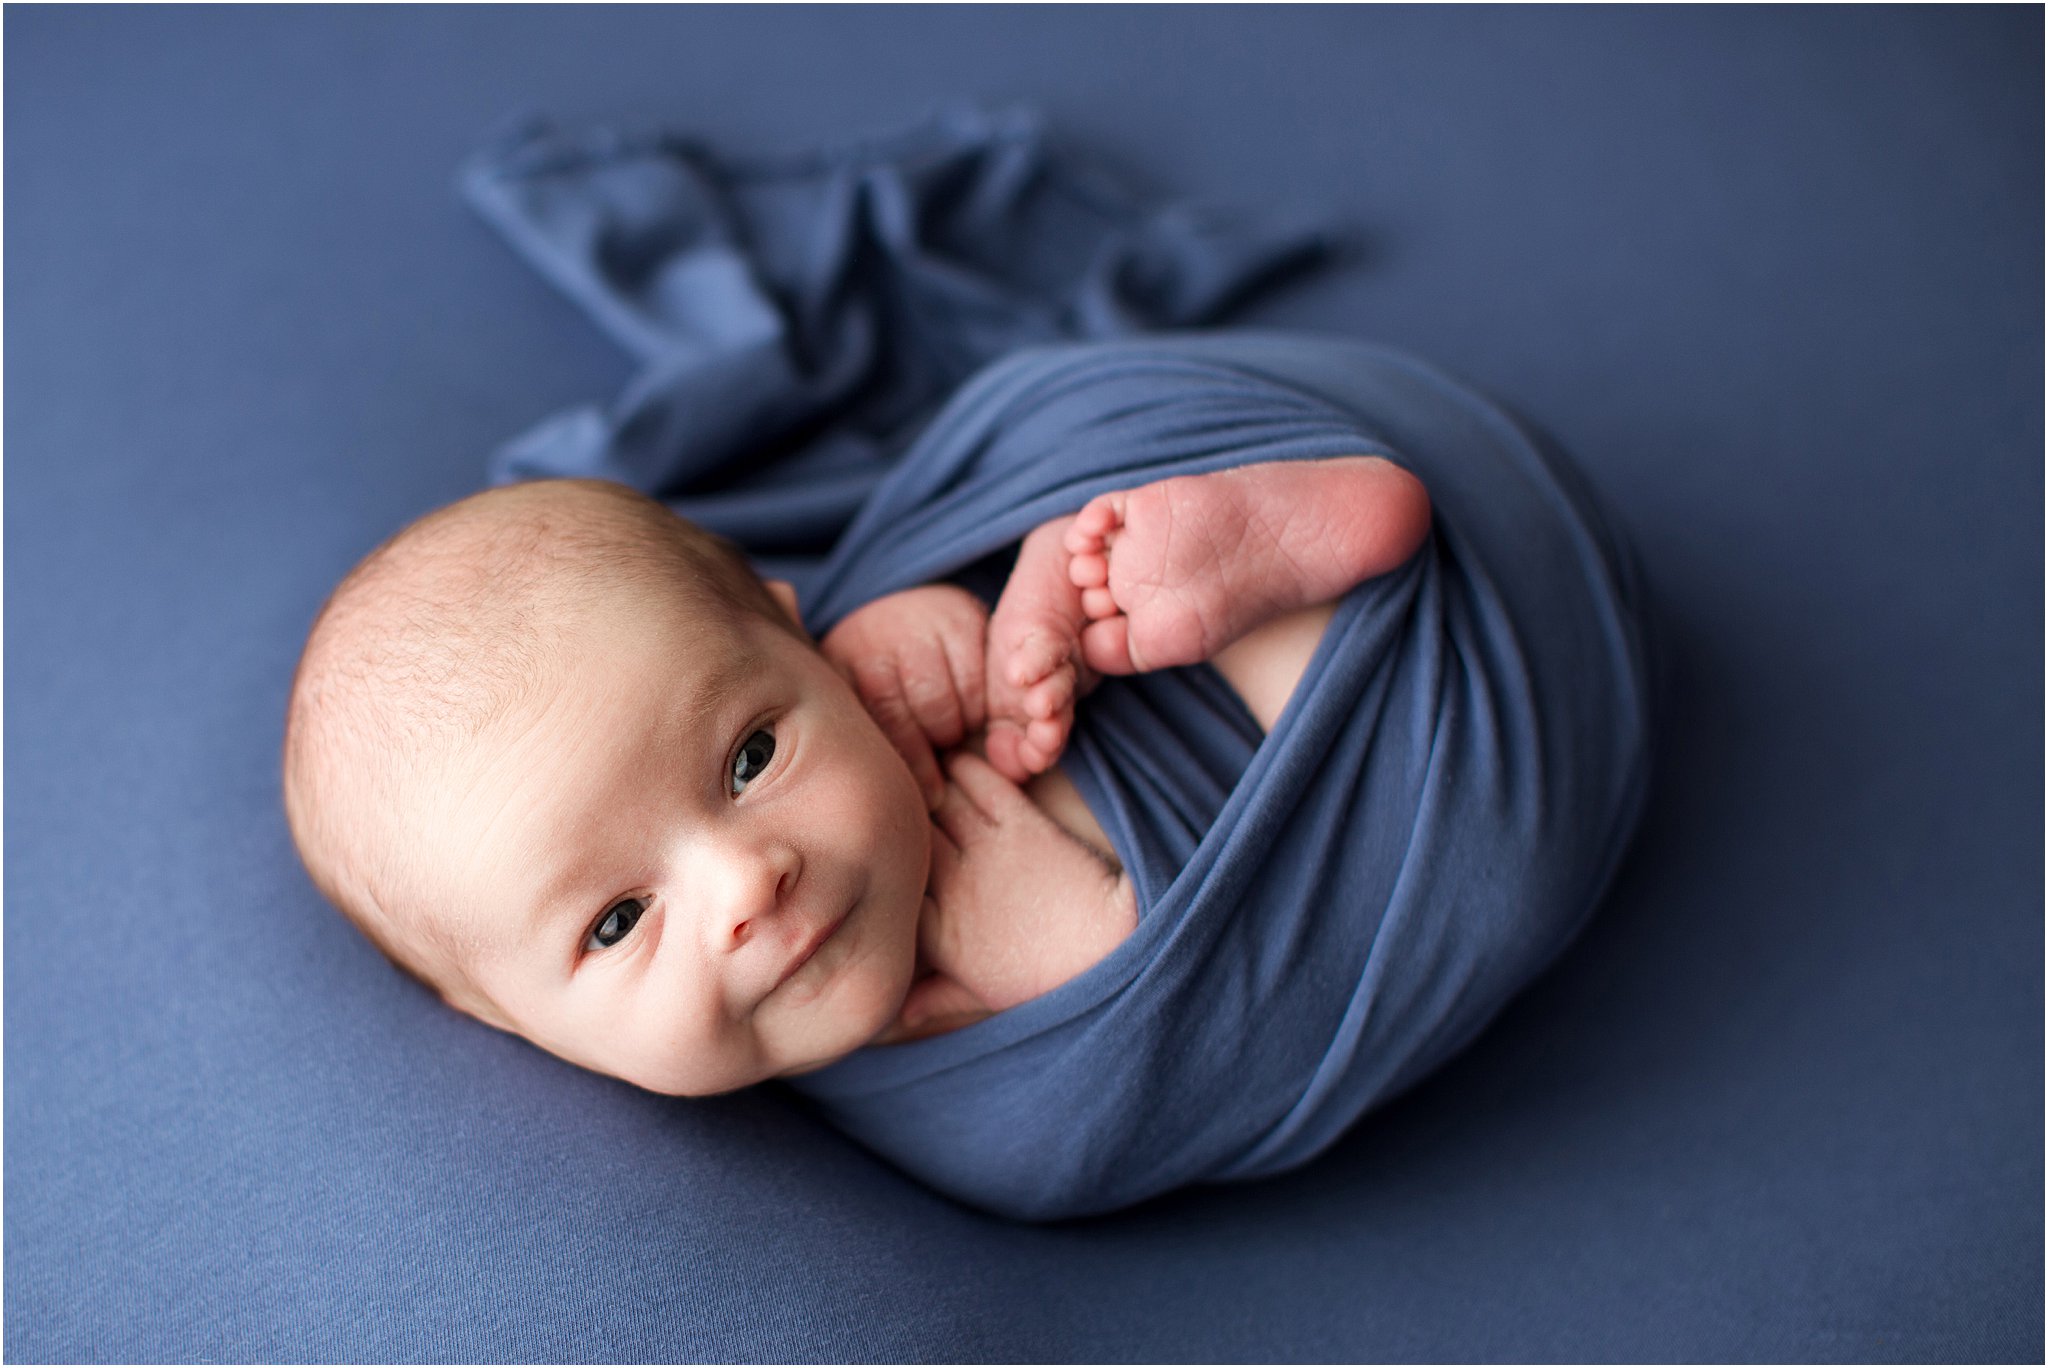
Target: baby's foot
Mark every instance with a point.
(1172, 572)
(1034, 648)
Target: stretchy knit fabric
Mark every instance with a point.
(1326, 912)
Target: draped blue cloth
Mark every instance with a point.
(1326, 912)
(798, 317)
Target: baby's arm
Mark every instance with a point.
(916, 660)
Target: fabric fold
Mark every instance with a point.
(882, 365)
(1327, 912)
(779, 302)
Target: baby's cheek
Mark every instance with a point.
(887, 964)
(891, 809)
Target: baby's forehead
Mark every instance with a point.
(622, 682)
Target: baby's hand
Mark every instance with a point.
(935, 1005)
(1018, 905)
(916, 659)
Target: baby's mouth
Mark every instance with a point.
(811, 947)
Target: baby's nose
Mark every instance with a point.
(758, 881)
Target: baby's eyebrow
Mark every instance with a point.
(725, 677)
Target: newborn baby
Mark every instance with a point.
(568, 761)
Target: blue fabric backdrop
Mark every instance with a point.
(1775, 278)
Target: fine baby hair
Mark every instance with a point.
(439, 631)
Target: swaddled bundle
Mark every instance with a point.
(1326, 912)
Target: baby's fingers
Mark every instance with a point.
(958, 822)
(933, 699)
(924, 766)
(966, 652)
(979, 782)
(1005, 745)
(936, 999)
(881, 693)
(945, 862)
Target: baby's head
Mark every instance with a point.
(570, 763)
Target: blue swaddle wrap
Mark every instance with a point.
(798, 317)
(1325, 913)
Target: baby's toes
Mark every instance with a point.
(1099, 603)
(1051, 695)
(1088, 570)
(1044, 739)
(1035, 653)
(1103, 514)
(1081, 540)
(1005, 747)
(1106, 646)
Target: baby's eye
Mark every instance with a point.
(617, 923)
(755, 753)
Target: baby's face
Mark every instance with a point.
(694, 862)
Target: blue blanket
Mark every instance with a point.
(1326, 913)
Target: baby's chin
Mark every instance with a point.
(869, 993)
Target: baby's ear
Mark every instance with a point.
(784, 593)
